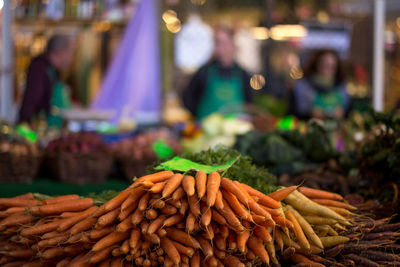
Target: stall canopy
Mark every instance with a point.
(132, 85)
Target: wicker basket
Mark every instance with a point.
(18, 168)
(79, 168)
(130, 167)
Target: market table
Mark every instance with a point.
(53, 187)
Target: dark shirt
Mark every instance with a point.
(39, 86)
(197, 86)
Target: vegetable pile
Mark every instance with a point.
(83, 142)
(171, 219)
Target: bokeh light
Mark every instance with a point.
(259, 33)
(169, 16)
(257, 81)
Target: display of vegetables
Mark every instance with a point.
(82, 142)
(140, 147)
(174, 219)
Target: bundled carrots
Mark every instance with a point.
(167, 219)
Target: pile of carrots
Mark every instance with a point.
(167, 219)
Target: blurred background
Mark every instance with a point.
(153, 78)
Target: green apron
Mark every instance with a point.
(328, 101)
(60, 99)
(221, 93)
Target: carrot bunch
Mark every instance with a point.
(168, 219)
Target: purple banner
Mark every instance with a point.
(132, 85)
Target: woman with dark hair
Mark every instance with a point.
(322, 91)
(220, 85)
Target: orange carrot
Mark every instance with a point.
(53, 253)
(219, 204)
(137, 217)
(184, 207)
(182, 237)
(206, 215)
(232, 261)
(232, 245)
(18, 202)
(16, 219)
(172, 183)
(83, 225)
(220, 242)
(301, 238)
(157, 188)
(188, 251)
(15, 210)
(156, 224)
(282, 221)
(96, 234)
(254, 207)
(26, 196)
(67, 223)
(298, 258)
(213, 183)
(41, 229)
(316, 193)
(170, 250)
(236, 205)
(190, 222)
(258, 248)
(281, 194)
(133, 198)
(125, 225)
(230, 187)
(217, 217)
(59, 199)
(188, 184)
(134, 237)
(169, 210)
(205, 247)
(262, 233)
(178, 194)
(71, 205)
(109, 240)
(201, 182)
(194, 205)
(274, 212)
(151, 214)
(108, 218)
(195, 260)
(144, 201)
(157, 203)
(230, 217)
(334, 203)
(156, 177)
(101, 254)
(118, 200)
(263, 199)
(173, 220)
(241, 240)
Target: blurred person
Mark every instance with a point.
(220, 85)
(45, 94)
(322, 91)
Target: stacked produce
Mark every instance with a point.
(171, 219)
(328, 176)
(19, 157)
(79, 158)
(134, 154)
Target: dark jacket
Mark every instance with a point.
(194, 92)
(39, 86)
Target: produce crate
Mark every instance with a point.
(18, 168)
(130, 167)
(79, 168)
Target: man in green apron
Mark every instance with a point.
(221, 85)
(44, 92)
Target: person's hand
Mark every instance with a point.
(338, 113)
(317, 113)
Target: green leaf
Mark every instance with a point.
(162, 149)
(185, 165)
